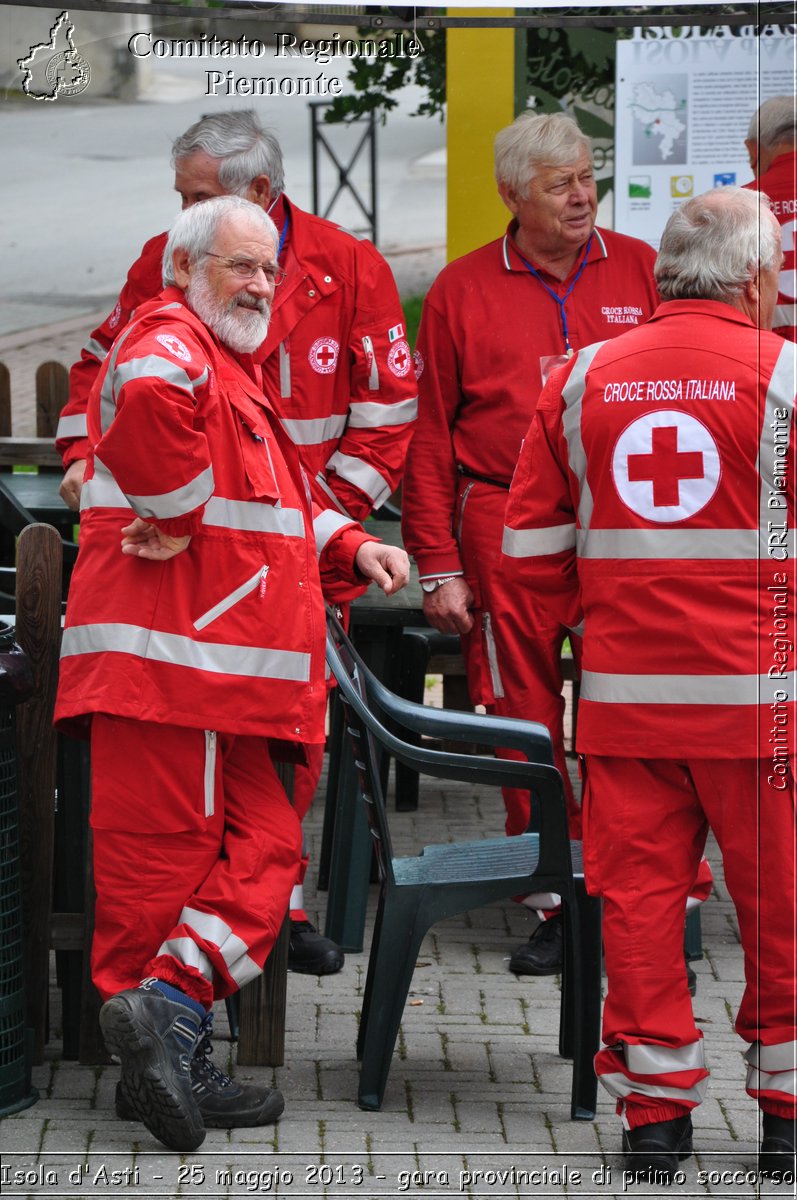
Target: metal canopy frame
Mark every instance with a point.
(378, 18)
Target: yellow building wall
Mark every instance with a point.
(485, 74)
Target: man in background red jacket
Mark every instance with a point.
(493, 326)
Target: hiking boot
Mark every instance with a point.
(777, 1153)
(223, 1103)
(652, 1151)
(154, 1038)
(310, 953)
(542, 953)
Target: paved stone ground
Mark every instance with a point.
(476, 1084)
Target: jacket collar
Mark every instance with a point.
(702, 308)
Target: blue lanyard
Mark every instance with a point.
(560, 300)
(284, 234)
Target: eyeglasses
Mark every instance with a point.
(244, 268)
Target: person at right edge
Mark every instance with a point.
(494, 324)
(654, 500)
(772, 148)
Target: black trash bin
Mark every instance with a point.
(16, 684)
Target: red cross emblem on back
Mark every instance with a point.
(665, 466)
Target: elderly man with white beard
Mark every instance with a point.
(193, 648)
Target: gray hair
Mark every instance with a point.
(195, 229)
(533, 139)
(714, 243)
(775, 123)
(243, 147)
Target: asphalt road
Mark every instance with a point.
(85, 183)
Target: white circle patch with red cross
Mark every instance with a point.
(666, 466)
(323, 355)
(399, 358)
(115, 316)
(174, 346)
(417, 358)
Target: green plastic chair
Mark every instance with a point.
(443, 881)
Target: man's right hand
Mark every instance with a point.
(72, 482)
(448, 607)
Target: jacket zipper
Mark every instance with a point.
(462, 504)
(210, 772)
(257, 581)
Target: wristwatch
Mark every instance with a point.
(431, 585)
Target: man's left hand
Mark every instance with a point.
(147, 541)
(387, 566)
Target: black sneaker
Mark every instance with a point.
(310, 953)
(154, 1039)
(542, 953)
(223, 1103)
(652, 1151)
(777, 1153)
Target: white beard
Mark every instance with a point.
(241, 324)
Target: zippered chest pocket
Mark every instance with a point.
(257, 582)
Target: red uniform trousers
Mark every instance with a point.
(512, 655)
(195, 852)
(645, 825)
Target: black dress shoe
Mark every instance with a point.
(310, 953)
(777, 1153)
(652, 1151)
(542, 953)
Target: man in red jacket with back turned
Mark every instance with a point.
(653, 507)
(772, 146)
(336, 366)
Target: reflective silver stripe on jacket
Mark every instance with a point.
(253, 517)
(285, 371)
(326, 524)
(102, 491)
(785, 314)
(703, 544)
(322, 483)
(313, 431)
(530, 543)
(233, 949)
(776, 432)
(96, 349)
(573, 396)
(368, 414)
(186, 951)
(683, 689)
(154, 645)
(772, 1068)
(361, 475)
(72, 427)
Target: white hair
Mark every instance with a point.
(713, 243)
(195, 229)
(774, 123)
(533, 139)
(243, 147)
